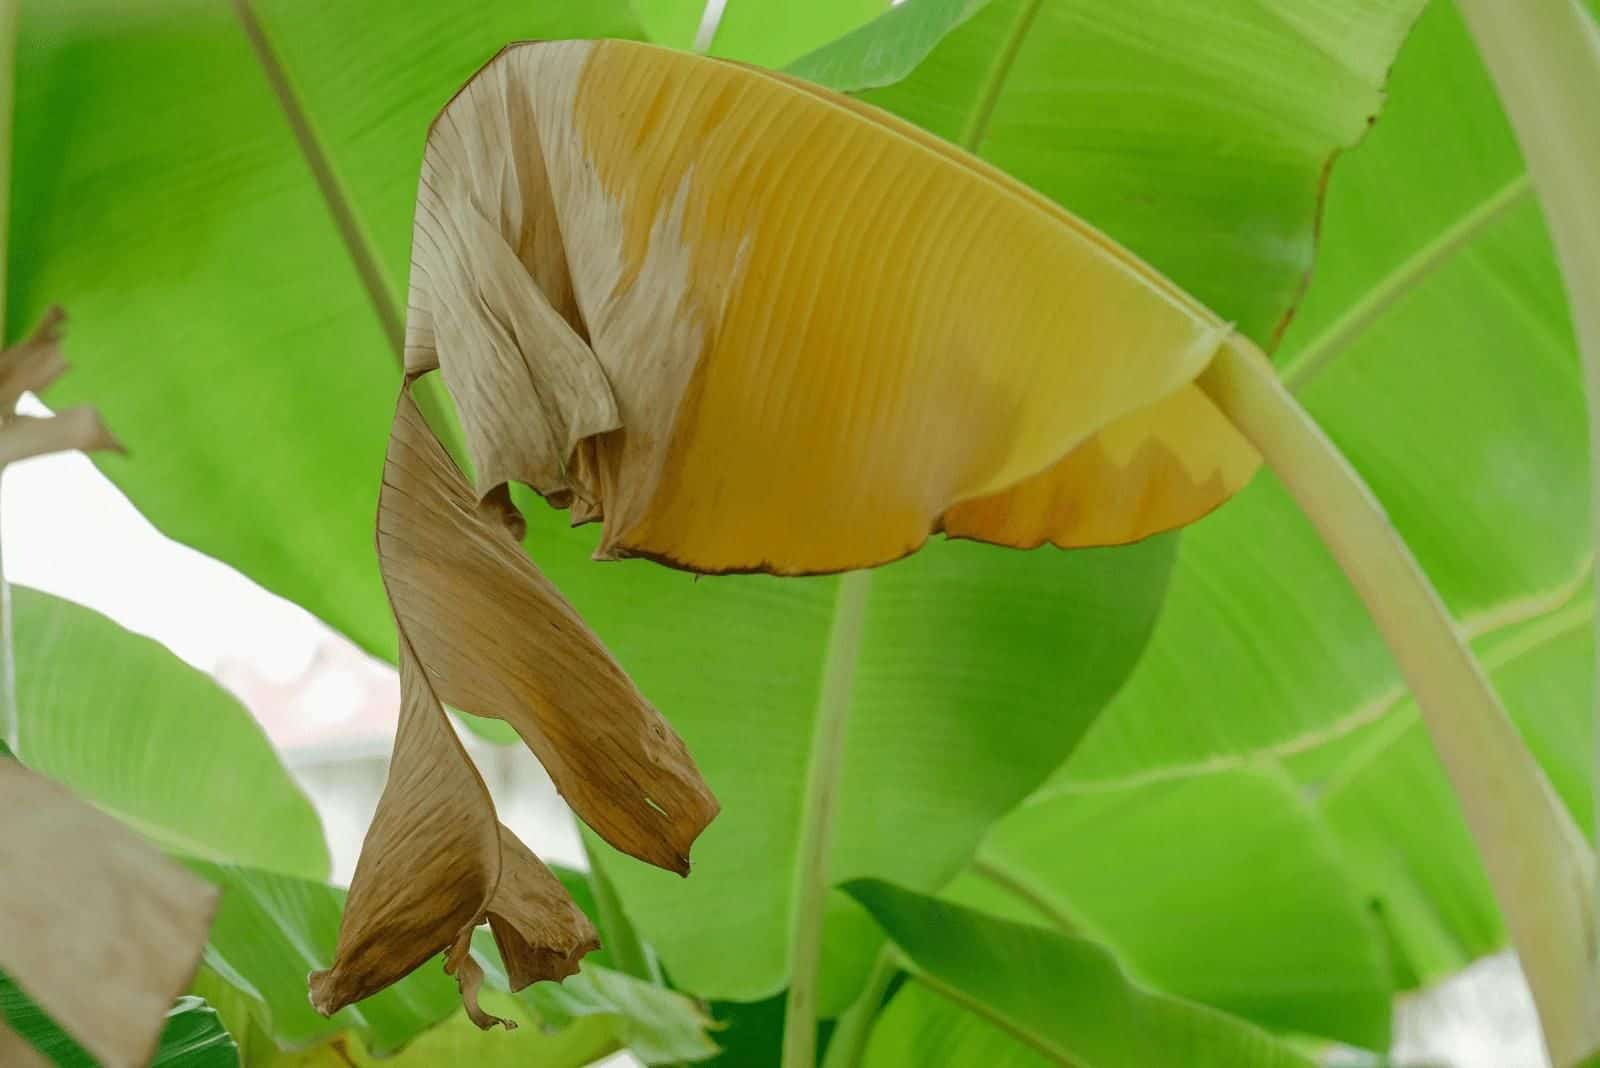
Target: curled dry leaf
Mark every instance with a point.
(17, 1052)
(30, 366)
(483, 630)
(748, 325)
(98, 928)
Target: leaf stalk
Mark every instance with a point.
(1544, 58)
(1539, 867)
(809, 897)
(849, 1042)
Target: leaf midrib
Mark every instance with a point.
(995, 1018)
(1335, 339)
(351, 233)
(1553, 607)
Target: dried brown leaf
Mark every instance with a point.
(435, 864)
(482, 629)
(655, 303)
(17, 1052)
(469, 980)
(498, 640)
(430, 861)
(498, 290)
(23, 436)
(32, 365)
(98, 928)
(540, 931)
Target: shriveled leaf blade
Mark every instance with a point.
(434, 865)
(498, 640)
(85, 901)
(31, 365)
(430, 861)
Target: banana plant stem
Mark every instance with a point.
(849, 1041)
(1544, 57)
(808, 899)
(1539, 867)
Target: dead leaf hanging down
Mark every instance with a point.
(435, 864)
(484, 631)
(32, 365)
(498, 640)
(749, 325)
(98, 928)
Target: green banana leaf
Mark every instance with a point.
(459, 1041)
(1435, 349)
(271, 931)
(1227, 889)
(240, 334)
(776, 34)
(753, 30)
(975, 674)
(1116, 111)
(159, 745)
(221, 196)
(1062, 997)
(455, 1041)
(656, 1025)
(194, 1035)
(144, 736)
(1198, 135)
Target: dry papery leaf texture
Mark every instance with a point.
(17, 1052)
(748, 325)
(31, 366)
(96, 926)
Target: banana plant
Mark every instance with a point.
(262, 222)
(645, 312)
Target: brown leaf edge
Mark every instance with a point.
(30, 366)
(481, 628)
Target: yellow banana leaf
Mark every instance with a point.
(748, 325)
